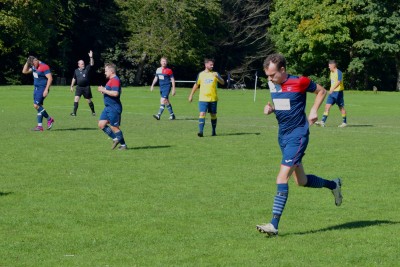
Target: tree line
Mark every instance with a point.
(362, 35)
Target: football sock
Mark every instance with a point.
(91, 105)
(169, 107)
(325, 116)
(213, 124)
(314, 181)
(202, 120)
(120, 137)
(39, 118)
(76, 104)
(162, 107)
(42, 111)
(109, 132)
(279, 203)
(344, 118)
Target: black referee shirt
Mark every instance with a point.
(82, 76)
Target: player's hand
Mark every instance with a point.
(90, 53)
(173, 92)
(45, 92)
(72, 89)
(29, 60)
(151, 88)
(100, 89)
(268, 109)
(190, 98)
(313, 117)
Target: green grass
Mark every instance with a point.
(175, 199)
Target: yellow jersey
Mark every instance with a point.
(208, 86)
(337, 76)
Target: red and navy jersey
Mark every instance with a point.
(39, 74)
(114, 84)
(164, 76)
(289, 100)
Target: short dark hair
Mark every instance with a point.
(208, 60)
(277, 59)
(332, 61)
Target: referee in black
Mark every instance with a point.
(82, 79)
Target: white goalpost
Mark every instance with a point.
(255, 88)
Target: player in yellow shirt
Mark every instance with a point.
(335, 95)
(207, 81)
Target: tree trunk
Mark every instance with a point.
(139, 72)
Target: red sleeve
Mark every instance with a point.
(304, 82)
(113, 84)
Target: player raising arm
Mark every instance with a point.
(42, 80)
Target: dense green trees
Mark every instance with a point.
(363, 35)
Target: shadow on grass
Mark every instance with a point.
(2, 194)
(148, 147)
(229, 134)
(187, 119)
(360, 125)
(349, 225)
(75, 129)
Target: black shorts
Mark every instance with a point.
(85, 91)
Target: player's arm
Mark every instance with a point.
(104, 91)
(91, 58)
(48, 84)
(153, 83)
(72, 84)
(27, 67)
(195, 87)
(173, 86)
(219, 78)
(334, 86)
(321, 93)
(268, 109)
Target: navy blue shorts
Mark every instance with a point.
(210, 107)
(293, 148)
(111, 115)
(336, 98)
(38, 97)
(165, 93)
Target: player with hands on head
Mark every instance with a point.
(288, 93)
(42, 80)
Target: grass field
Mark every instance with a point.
(174, 199)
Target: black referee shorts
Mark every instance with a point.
(85, 91)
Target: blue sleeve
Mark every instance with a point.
(339, 76)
